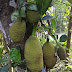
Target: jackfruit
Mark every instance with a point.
(17, 31)
(33, 16)
(49, 55)
(33, 54)
(61, 52)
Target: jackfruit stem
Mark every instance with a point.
(47, 38)
(41, 21)
(55, 40)
(34, 30)
(19, 19)
(18, 47)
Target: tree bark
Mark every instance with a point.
(69, 37)
(69, 33)
(5, 18)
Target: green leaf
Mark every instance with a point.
(20, 2)
(14, 16)
(15, 55)
(43, 5)
(1, 50)
(48, 27)
(47, 17)
(18, 47)
(53, 23)
(32, 7)
(5, 68)
(4, 60)
(22, 11)
(63, 38)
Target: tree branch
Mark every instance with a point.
(5, 39)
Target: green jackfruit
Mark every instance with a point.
(61, 52)
(33, 16)
(49, 55)
(33, 54)
(17, 31)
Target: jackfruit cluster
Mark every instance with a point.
(33, 54)
(33, 16)
(17, 31)
(49, 55)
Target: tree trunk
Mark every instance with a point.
(5, 18)
(69, 36)
(69, 33)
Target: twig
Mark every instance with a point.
(49, 32)
(2, 30)
(6, 47)
(5, 38)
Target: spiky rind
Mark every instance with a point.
(49, 55)
(50, 61)
(61, 53)
(33, 16)
(33, 54)
(17, 31)
(48, 48)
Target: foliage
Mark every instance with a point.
(1, 46)
(15, 55)
(53, 23)
(63, 38)
(3, 56)
(60, 11)
(42, 40)
(43, 5)
(3, 60)
(4, 69)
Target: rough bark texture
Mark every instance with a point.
(49, 32)
(5, 17)
(69, 33)
(69, 37)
